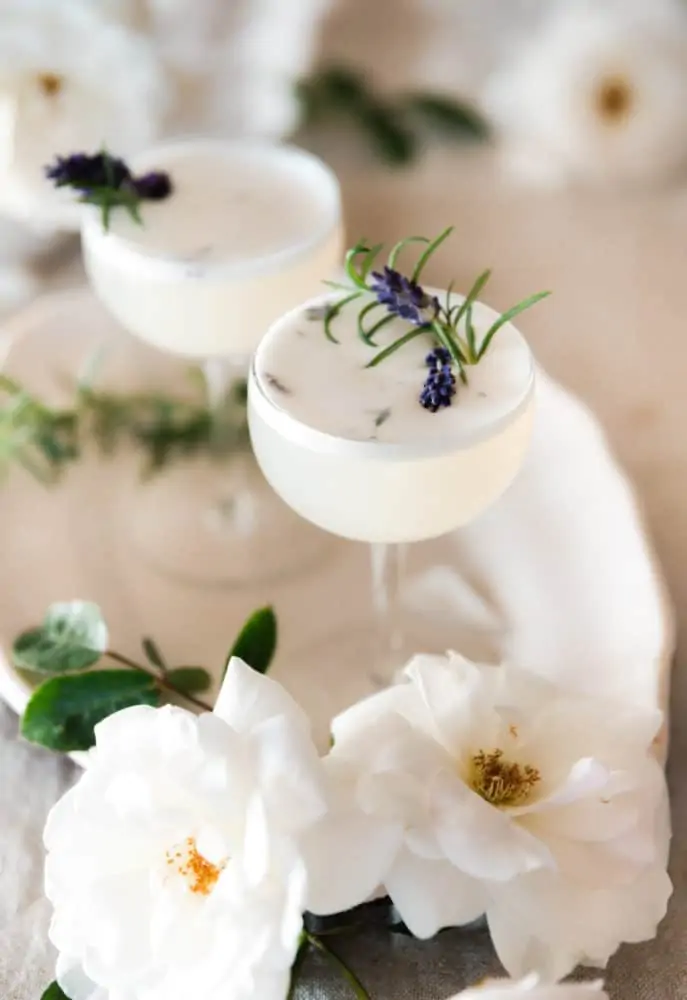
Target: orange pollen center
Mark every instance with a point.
(201, 875)
(500, 782)
(50, 83)
(615, 98)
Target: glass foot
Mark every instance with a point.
(220, 525)
(349, 666)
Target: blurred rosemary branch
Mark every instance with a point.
(393, 125)
(45, 440)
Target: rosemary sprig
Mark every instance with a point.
(392, 124)
(45, 440)
(449, 326)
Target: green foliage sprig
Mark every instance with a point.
(397, 295)
(45, 440)
(65, 708)
(392, 125)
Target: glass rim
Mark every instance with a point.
(128, 253)
(304, 435)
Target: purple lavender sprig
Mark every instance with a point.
(440, 385)
(107, 181)
(85, 173)
(403, 297)
(448, 326)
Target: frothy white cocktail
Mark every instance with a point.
(350, 448)
(248, 232)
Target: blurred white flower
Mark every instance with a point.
(241, 59)
(71, 80)
(257, 72)
(531, 988)
(473, 790)
(598, 93)
(173, 864)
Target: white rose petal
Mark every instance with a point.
(243, 60)
(531, 988)
(546, 923)
(174, 864)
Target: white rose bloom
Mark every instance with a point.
(71, 80)
(173, 864)
(598, 93)
(531, 988)
(240, 60)
(471, 788)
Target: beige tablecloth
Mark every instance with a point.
(615, 333)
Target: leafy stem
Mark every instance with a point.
(357, 987)
(161, 679)
(64, 710)
(393, 125)
(45, 440)
(432, 247)
(392, 348)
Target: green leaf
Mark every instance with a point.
(449, 116)
(189, 680)
(406, 338)
(64, 711)
(153, 654)
(432, 248)
(333, 310)
(73, 636)
(345, 87)
(357, 988)
(337, 89)
(257, 640)
(461, 310)
(370, 260)
(401, 245)
(362, 332)
(471, 336)
(443, 335)
(507, 317)
(350, 266)
(389, 318)
(54, 992)
(388, 134)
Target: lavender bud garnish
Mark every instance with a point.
(403, 297)
(447, 326)
(85, 173)
(155, 186)
(440, 385)
(107, 181)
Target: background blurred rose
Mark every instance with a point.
(598, 93)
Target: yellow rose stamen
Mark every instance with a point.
(615, 99)
(201, 875)
(50, 83)
(500, 782)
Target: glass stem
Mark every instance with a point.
(388, 567)
(219, 374)
(235, 508)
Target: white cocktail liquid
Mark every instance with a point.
(351, 449)
(249, 231)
